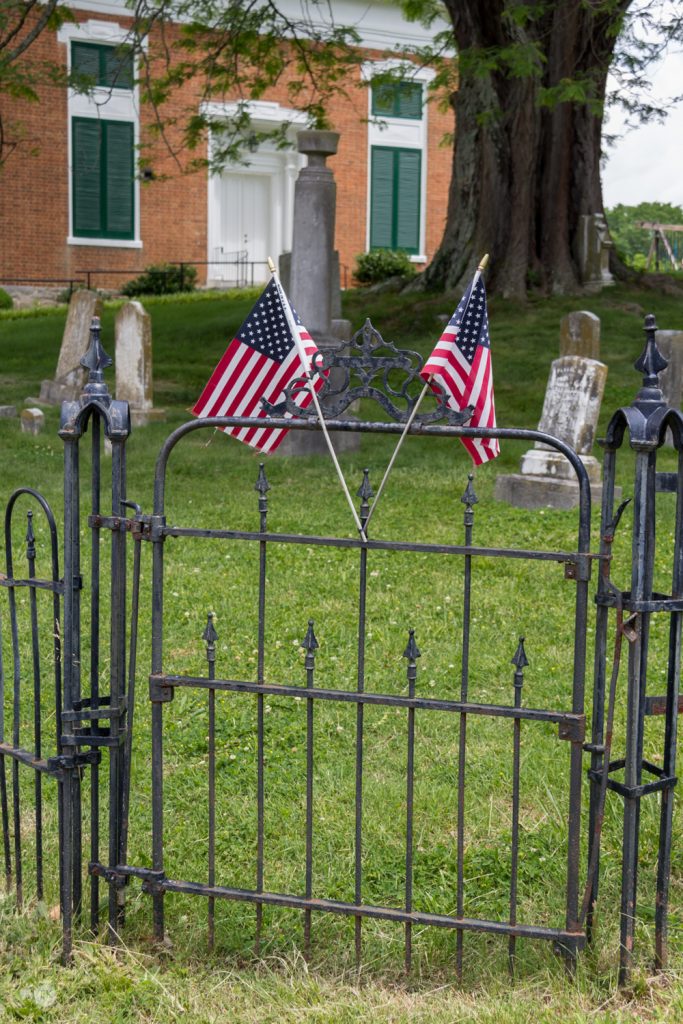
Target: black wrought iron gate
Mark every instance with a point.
(92, 723)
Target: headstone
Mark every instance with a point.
(311, 273)
(670, 344)
(70, 375)
(571, 408)
(580, 334)
(8, 412)
(32, 421)
(594, 247)
(133, 331)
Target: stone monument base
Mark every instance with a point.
(526, 491)
(141, 417)
(52, 392)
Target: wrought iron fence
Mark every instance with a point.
(95, 725)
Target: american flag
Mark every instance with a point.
(461, 364)
(260, 361)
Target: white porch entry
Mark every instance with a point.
(251, 205)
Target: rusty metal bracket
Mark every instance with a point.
(159, 691)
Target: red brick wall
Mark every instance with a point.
(34, 186)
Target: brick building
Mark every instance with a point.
(73, 197)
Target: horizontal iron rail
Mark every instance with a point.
(55, 585)
(379, 545)
(571, 557)
(154, 883)
(28, 758)
(570, 718)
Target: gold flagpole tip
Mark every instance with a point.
(484, 263)
(271, 265)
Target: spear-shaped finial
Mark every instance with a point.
(365, 492)
(651, 362)
(469, 498)
(520, 661)
(262, 485)
(412, 651)
(95, 359)
(310, 646)
(30, 536)
(210, 636)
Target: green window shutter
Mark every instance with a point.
(409, 100)
(395, 198)
(87, 178)
(381, 198)
(407, 233)
(384, 99)
(117, 70)
(85, 61)
(397, 99)
(103, 178)
(120, 209)
(108, 66)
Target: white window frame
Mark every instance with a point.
(109, 103)
(399, 132)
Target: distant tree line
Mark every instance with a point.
(633, 242)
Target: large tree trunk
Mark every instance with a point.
(524, 173)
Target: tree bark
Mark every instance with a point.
(524, 172)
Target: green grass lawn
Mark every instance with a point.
(211, 481)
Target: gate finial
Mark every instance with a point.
(651, 362)
(95, 359)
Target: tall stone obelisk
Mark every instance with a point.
(310, 274)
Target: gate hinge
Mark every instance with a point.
(159, 691)
(573, 729)
(66, 761)
(578, 569)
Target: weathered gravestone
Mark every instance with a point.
(32, 421)
(670, 344)
(310, 273)
(8, 412)
(70, 376)
(570, 412)
(594, 248)
(133, 331)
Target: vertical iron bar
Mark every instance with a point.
(37, 744)
(469, 499)
(641, 590)
(16, 718)
(670, 737)
(411, 653)
(69, 785)
(157, 722)
(310, 645)
(262, 487)
(130, 711)
(95, 668)
(574, 829)
(364, 493)
(520, 662)
(599, 674)
(209, 636)
(4, 806)
(118, 669)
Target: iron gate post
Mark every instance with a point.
(647, 420)
(80, 717)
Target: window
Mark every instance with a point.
(397, 99)
(107, 66)
(395, 198)
(103, 178)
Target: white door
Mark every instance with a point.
(245, 227)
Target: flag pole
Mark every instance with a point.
(304, 359)
(480, 269)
